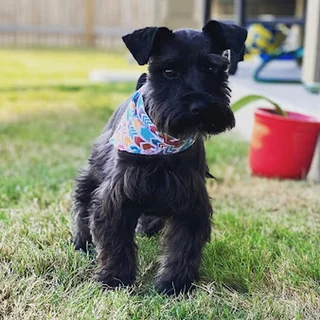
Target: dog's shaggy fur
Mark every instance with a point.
(186, 94)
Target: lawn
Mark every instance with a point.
(263, 261)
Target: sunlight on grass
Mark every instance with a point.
(21, 67)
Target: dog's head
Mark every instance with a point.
(188, 91)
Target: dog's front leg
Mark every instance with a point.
(183, 239)
(113, 231)
(87, 183)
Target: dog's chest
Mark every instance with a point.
(161, 189)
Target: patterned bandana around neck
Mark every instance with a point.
(138, 135)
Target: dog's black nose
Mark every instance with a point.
(198, 107)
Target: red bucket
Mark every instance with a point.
(282, 147)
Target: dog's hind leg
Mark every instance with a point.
(113, 231)
(149, 225)
(183, 239)
(86, 185)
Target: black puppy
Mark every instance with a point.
(149, 163)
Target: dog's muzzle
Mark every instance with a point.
(212, 115)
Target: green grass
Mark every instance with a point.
(263, 261)
(47, 67)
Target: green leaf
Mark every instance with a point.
(253, 97)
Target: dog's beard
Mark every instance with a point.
(217, 120)
(177, 120)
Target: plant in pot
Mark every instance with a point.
(283, 142)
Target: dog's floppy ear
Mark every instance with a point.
(142, 42)
(226, 36)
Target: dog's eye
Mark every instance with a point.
(212, 70)
(170, 73)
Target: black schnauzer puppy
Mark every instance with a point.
(149, 163)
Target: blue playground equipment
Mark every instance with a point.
(272, 48)
(267, 58)
(267, 42)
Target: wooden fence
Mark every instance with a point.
(98, 23)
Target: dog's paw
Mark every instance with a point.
(149, 226)
(174, 288)
(111, 282)
(82, 245)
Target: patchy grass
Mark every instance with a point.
(263, 261)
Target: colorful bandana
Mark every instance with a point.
(138, 135)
